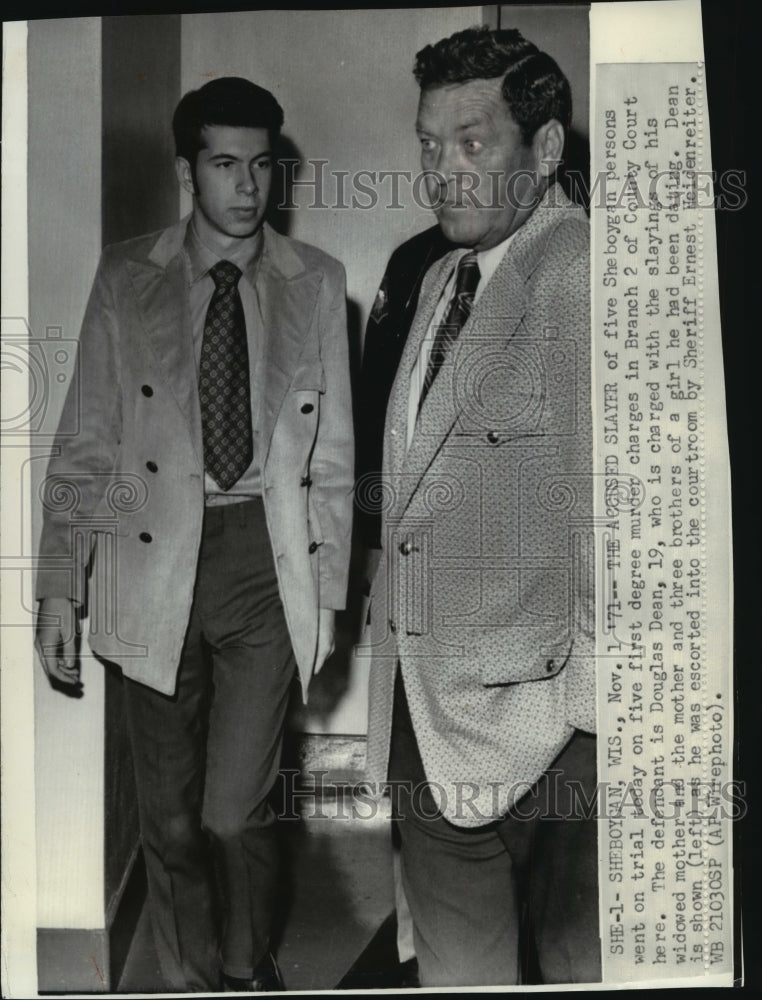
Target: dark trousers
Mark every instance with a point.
(207, 758)
(478, 895)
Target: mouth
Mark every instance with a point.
(244, 211)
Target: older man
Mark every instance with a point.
(482, 698)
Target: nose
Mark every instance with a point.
(441, 168)
(246, 181)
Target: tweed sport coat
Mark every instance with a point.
(125, 493)
(485, 590)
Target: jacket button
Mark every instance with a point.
(145, 537)
(493, 437)
(306, 481)
(392, 626)
(313, 547)
(307, 408)
(146, 390)
(152, 466)
(550, 666)
(406, 548)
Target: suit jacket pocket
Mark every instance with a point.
(527, 660)
(307, 386)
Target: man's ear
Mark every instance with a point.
(184, 174)
(548, 144)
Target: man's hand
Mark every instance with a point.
(57, 640)
(326, 636)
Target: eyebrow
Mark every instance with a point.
(476, 123)
(232, 156)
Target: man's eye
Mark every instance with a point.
(263, 164)
(473, 145)
(427, 144)
(225, 163)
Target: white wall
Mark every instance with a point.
(18, 920)
(64, 247)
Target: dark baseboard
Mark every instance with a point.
(74, 960)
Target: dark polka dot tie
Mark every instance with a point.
(223, 381)
(458, 311)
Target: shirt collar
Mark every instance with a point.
(489, 260)
(245, 255)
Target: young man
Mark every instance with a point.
(215, 425)
(482, 690)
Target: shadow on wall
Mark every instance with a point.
(575, 174)
(288, 167)
(139, 184)
(281, 213)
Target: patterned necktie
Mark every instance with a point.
(458, 311)
(224, 381)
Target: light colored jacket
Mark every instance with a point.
(485, 589)
(125, 492)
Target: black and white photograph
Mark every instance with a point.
(366, 592)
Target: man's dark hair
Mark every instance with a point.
(534, 87)
(230, 100)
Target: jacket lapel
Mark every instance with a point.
(494, 320)
(453, 396)
(160, 288)
(395, 436)
(287, 298)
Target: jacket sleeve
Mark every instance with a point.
(85, 449)
(564, 307)
(332, 464)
